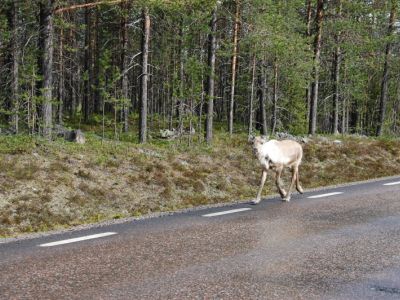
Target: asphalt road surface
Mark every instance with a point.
(339, 243)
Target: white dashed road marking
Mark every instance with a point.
(74, 240)
(225, 212)
(392, 183)
(325, 195)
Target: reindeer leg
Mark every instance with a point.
(278, 174)
(263, 178)
(298, 186)
(287, 198)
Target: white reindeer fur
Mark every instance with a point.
(276, 155)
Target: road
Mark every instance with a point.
(338, 243)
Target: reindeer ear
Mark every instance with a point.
(265, 138)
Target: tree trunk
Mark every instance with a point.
(61, 77)
(145, 56)
(263, 99)
(16, 53)
(73, 69)
(308, 34)
(336, 76)
(32, 105)
(317, 53)
(385, 79)
(336, 94)
(234, 65)
(124, 67)
(46, 42)
(275, 101)
(344, 116)
(202, 97)
(344, 102)
(181, 106)
(253, 75)
(97, 105)
(87, 65)
(211, 76)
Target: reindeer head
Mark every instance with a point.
(257, 139)
(256, 142)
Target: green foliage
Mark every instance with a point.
(17, 144)
(273, 31)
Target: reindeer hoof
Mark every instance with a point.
(255, 201)
(300, 190)
(286, 199)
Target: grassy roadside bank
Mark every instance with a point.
(46, 186)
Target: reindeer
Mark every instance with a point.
(276, 155)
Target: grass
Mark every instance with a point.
(47, 185)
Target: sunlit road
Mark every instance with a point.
(341, 243)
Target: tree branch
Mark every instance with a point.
(86, 5)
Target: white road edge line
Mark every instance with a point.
(325, 195)
(392, 183)
(78, 239)
(225, 212)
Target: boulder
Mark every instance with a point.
(338, 142)
(168, 134)
(288, 136)
(75, 136)
(174, 133)
(304, 140)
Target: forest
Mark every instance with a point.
(130, 68)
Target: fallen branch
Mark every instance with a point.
(86, 5)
